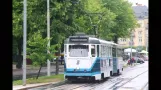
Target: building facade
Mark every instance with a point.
(140, 34)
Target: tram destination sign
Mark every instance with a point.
(78, 39)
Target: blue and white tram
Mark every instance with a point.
(117, 52)
(89, 58)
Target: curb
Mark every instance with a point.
(46, 84)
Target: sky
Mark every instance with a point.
(143, 2)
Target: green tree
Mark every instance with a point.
(37, 50)
(94, 13)
(125, 19)
(70, 16)
(17, 30)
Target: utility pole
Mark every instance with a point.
(147, 41)
(48, 36)
(131, 42)
(24, 40)
(95, 26)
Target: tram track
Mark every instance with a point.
(71, 86)
(112, 82)
(114, 87)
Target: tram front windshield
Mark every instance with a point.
(78, 50)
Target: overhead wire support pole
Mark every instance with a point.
(131, 42)
(48, 36)
(24, 40)
(95, 25)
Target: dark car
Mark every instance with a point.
(125, 57)
(140, 60)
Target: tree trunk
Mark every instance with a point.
(57, 63)
(115, 39)
(57, 66)
(39, 72)
(20, 58)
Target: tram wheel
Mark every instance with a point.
(110, 73)
(118, 72)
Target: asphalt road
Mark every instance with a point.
(132, 78)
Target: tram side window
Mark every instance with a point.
(106, 51)
(93, 50)
(103, 51)
(104, 54)
(109, 62)
(119, 53)
(98, 50)
(114, 52)
(110, 51)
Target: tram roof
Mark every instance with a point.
(92, 40)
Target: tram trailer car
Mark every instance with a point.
(88, 58)
(117, 60)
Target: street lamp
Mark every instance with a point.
(24, 40)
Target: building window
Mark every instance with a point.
(139, 32)
(146, 13)
(140, 39)
(140, 24)
(121, 39)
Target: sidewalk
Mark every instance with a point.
(34, 70)
(31, 72)
(21, 87)
(28, 86)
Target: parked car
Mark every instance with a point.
(125, 57)
(145, 58)
(140, 60)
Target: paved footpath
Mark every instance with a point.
(20, 87)
(30, 72)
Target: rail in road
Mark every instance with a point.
(114, 87)
(112, 83)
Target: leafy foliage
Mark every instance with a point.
(37, 50)
(125, 19)
(114, 19)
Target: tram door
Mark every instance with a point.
(115, 59)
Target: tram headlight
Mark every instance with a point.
(85, 70)
(77, 67)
